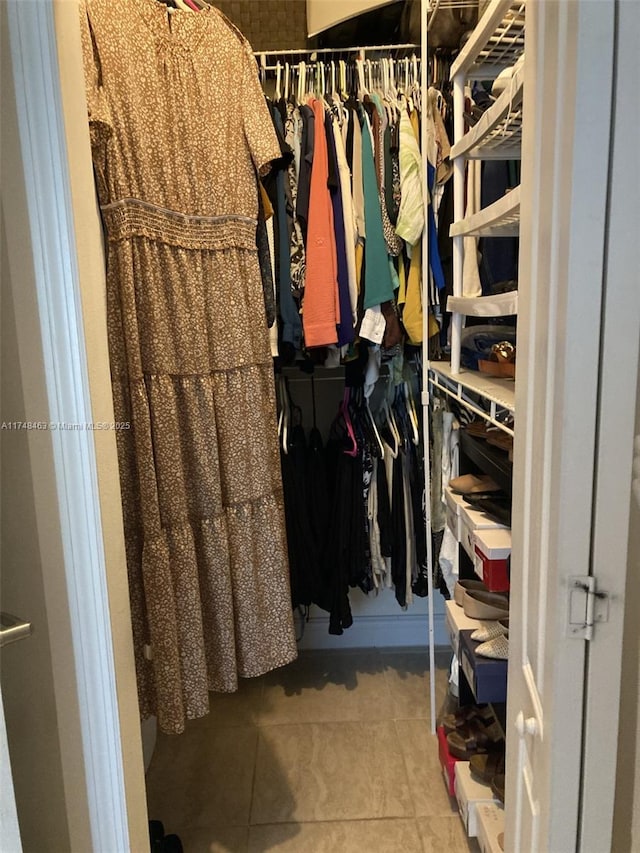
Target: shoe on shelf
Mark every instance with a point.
(479, 429)
(462, 586)
(480, 604)
(468, 713)
(485, 766)
(475, 738)
(470, 484)
(488, 632)
(497, 648)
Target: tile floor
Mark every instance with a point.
(331, 754)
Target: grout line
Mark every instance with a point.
(383, 819)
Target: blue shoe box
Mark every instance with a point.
(487, 677)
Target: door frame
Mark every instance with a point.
(100, 734)
(102, 649)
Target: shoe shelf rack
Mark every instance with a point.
(496, 44)
(488, 397)
(498, 134)
(500, 219)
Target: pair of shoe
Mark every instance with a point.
(494, 640)
(489, 768)
(497, 505)
(466, 714)
(478, 603)
(476, 737)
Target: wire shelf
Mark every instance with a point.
(498, 134)
(497, 41)
(470, 389)
(500, 219)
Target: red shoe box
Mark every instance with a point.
(492, 550)
(447, 761)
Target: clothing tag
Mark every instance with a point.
(373, 325)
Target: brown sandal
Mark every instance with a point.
(474, 738)
(484, 767)
(462, 716)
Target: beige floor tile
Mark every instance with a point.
(355, 836)
(215, 839)
(445, 835)
(420, 750)
(407, 676)
(327, 687)
(329, 771)
(236, 709)
(199, 779)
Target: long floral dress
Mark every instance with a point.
(179, 128)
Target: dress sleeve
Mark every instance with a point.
(99, 117)
(258, 126)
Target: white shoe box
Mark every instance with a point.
(470, 521)
(456, 621)
(454, 504)
(490, 819)
(470, 794)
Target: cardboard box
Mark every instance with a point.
(470, 794)
(490, 819)
(447, 761)
(492, 549)
(454, 504)
(487, 677)
(472, 520)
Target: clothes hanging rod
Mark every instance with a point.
(326, 50)
(296, 65)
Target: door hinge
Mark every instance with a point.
(587, 605)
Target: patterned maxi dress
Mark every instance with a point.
(179, 127)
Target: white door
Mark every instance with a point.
(560, 456)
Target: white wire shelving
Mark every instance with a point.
(496, 43)
(471, 388)
(500, 219)
(498, 134)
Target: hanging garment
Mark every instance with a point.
(411, 214)
(470, 274)
(377, 286)
(189, 348)
(345, 325)
(305, 560)
(321, 301)
(350, 228)
(412, 315)
(291, 325)
(307, 144)
(293, 129)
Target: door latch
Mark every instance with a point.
(587, 605)
(12, 628)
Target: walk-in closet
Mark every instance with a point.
(320, 350)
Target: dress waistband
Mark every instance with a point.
(130, 217)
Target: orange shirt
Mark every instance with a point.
(321, 307)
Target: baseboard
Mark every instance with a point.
(375, 631)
